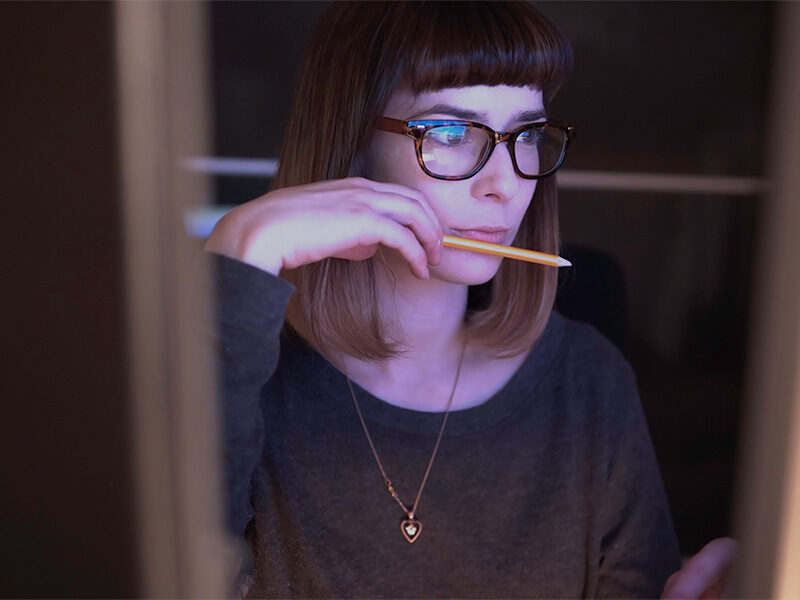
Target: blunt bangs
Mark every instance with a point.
(436, 45)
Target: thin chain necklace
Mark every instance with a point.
(410, 527)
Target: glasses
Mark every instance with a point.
(452, 150)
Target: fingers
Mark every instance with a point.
(400, 238)
(411, 193)
(382, 188)
(409, 207)
(347, 218)
(400, 203)
(703, 575)
(411, 213)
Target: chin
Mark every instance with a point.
(473, 269)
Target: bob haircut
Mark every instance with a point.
(359, 55)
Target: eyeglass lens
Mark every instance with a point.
(455, 150)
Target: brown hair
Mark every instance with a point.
(359, 55)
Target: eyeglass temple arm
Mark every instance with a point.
(391, 125)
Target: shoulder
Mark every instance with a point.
(593, 375)
(586, 350)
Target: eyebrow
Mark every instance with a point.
(471, 115)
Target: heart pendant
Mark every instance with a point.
(410, 530)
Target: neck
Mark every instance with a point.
(427, 316)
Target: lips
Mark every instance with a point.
(494, 237)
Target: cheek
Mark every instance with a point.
(520, 212)
(448, 201)
(392, 162)
(529, 195)
(525, 203)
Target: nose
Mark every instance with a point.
(497, 177)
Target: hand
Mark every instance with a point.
(342, 218)
(705, 575)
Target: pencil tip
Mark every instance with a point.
(563, 262)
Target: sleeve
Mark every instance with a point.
(639, 548)
(250, 308)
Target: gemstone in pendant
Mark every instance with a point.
(410, 530)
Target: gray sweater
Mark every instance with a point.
(550, 488)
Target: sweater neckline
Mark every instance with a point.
(329, 381)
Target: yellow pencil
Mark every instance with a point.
(508, 251)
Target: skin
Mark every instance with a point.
(706, 574)
(428, 314)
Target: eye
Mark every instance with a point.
(532, 137)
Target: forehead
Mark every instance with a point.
(498, 103)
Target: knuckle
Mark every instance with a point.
(358, 209)
(365, 196)
(249, 237)
(419, 204)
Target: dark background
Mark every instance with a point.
(657, 88)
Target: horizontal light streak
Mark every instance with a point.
(568, 179)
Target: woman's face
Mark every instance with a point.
(495, 197)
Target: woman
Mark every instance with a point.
(426, 425)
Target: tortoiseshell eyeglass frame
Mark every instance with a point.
(416, 129)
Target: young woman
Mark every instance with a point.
(404, 419)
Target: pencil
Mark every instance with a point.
(508, 251)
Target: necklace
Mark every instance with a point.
(410, 527)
